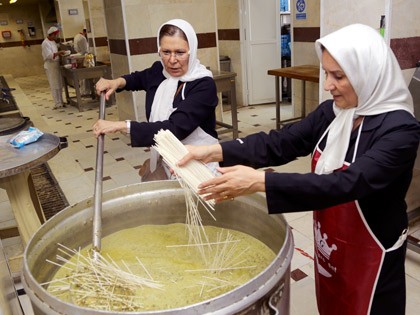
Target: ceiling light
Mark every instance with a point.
(12, 1)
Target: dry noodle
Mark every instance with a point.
(189, 177)
(193, 173)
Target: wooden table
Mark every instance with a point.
(15, 165)
(225, 82)
(304, 73)
(75, 76)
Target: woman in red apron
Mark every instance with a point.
(363, 143)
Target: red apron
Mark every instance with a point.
(348, 259)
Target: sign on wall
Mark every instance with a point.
(300, 10)
(73, 12)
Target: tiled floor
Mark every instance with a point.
(74, 167)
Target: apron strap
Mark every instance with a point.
(399, 242)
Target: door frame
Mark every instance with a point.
(245, 46)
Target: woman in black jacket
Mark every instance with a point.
(181, 96)
(363, 144)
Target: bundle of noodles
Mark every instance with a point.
(189, 177)
(99, 283)
(193, 173)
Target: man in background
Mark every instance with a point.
(51, 56)
(81, 45)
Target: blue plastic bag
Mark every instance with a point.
(26, 136)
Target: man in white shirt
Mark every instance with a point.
(51, 56)
(81, 45)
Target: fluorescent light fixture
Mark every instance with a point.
(12, 1)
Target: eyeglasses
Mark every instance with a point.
(178, 55)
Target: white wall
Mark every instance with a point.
(335, 15)
(71, 24)
(402, 20)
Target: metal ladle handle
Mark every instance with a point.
(97, 211)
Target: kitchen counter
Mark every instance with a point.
(225, 82)
(74, 77)
(15, 165)
(304, 73)
(7, 101)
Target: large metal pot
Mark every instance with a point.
(163, 202)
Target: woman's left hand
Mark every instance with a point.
(235, 181)
(106, 126)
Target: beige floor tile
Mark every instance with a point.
(64, 167)
(300, 239)
(3, 195)
(309, 269)
(413, 295)
(127, 178)
(412, 265)
(302, 298)
(117, 168)
(77, 188)
(12, 246)
(304, 225)
(415, 229)
(299, 261)
(7, 218)
(290, 217)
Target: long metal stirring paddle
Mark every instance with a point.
(97, 211)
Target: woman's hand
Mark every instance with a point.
(203, 153)
(106, 126)
(109, 86)
(235, 181)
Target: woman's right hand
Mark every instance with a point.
(204, 153)
(109, 86)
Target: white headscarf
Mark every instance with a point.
(162, 102)
(376, 77)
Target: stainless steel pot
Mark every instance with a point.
(162, 202)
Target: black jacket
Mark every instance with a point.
(196, 110)
(379, 177)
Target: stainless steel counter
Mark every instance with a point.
(225, 82)
(74, 77)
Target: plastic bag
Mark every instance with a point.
(89, 61)
(26, 136)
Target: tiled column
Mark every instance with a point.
(97, 31)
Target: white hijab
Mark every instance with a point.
(376, 77)
(162, 103)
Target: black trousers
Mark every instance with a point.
(390, 293)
